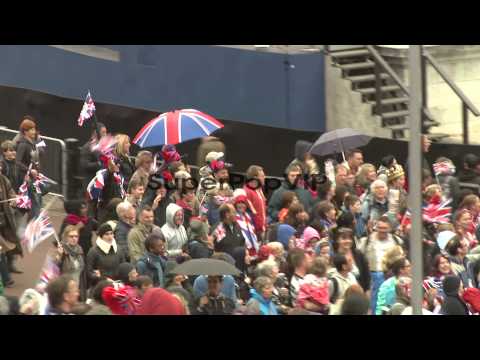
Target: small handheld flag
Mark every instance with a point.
(88, 110)
(38, 230)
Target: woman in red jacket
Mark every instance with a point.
(258, 201)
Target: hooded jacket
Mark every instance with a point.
(175, 236)
(453, 305)
(157, 301)
(258, 305)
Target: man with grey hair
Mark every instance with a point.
(375, 204)
(126, 221)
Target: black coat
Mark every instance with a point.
(469, 176)
(24, 149)
(127, 168)
(362, 264)
(106, 263)
(89, 164)
(121, 236)
(453, 305)
(10, 171)
(231, 241)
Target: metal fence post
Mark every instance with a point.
(415, 177)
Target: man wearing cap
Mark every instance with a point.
(209, 144)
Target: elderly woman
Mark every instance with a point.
(70, 257)
(366, 175)
(280, 294)
(143, 163)
(376, 204)
(261, 302)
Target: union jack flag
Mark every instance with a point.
(87, 110)
(105, 146)
(96, 185)
(439, 213)
(23, 199)
(50, 271)
(42, 180)
(38, 230)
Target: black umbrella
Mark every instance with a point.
(339, 141)
(210, 267)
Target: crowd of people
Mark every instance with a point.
(339, 246)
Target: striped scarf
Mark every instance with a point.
(248, 231)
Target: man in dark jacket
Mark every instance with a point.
(126, 221)
(199, 246)
(90, 160)
(154, 262)
(453, 304)
(214, 302)
(471, 169)
(275, 203)
(228, 237)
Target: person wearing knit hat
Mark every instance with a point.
(309, 240)
(157, 301)
(453, 304)
(104, 258)
(200, 245)
(285, 235)
(244, 220)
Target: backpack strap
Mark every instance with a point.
(334, 295)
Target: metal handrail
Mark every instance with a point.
(64, 156)
(386, 67)
(381, 61)
(450, 83)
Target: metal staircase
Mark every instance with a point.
(380, 86)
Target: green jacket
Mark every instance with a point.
(275, 203)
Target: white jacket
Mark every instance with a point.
(175, 236)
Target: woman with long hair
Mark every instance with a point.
(126, 163)
(344, 243)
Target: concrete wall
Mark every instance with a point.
(345, 108)
(462, 64)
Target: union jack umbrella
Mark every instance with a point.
(176, 127)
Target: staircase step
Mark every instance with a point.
(392, 101)
(363, 78)
(439, 136)
(406, 126)
(350, 53)
(394, 114)
(357, 66)
(369, 91)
